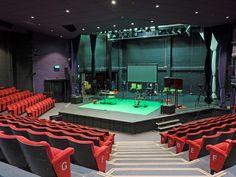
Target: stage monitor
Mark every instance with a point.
(143, 73)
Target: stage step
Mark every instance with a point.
(167, 122)
(164, 128)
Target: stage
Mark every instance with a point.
(134, 120)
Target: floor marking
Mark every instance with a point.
(144, 152)
(143, 155)
(183, 162)
(220, 174)
(159, 169)
(135, 142)
(137, 150)
(125, 159)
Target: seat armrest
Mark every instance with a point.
(61, 163)
(100, 156)
(216, 150)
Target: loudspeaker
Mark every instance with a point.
(168, 109)
(76, 99)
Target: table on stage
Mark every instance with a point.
(108, 97)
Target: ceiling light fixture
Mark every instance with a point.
(113, 2)
(67, 11)
(151, 21)
(196, 12)
(227, 17)
(51, 30)
(61, 36)
(132, 24)
(114, 26)
(32, 17)
(39, 24)
(83, 29)
(98, 27)
(157, 6)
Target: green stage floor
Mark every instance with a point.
(125, 106)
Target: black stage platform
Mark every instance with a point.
(133, 123)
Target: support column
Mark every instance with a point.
(214, 45)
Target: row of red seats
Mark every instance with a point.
(197, 147)
(86, 153)
(58, 125)
(91, 131)
(7, 91)
(164, 136)
(181, 142)
(37, 157)
(210, 126)
(80, 134)
(20, 106)
(222, 155)
(40, 108)
(10, 99)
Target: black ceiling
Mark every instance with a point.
(50, 15)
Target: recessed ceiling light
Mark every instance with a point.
(39, 24)
(83, 29)
(227, 17)
(61, 36)
(157, 6)
(98, 27)
(132, 23)
(51, 30)
(114, 26)
(67, 11)
(151, 21)
(196, 12)
(32, 17)
(113, 2)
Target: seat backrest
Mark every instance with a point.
(6, 128)
(60, 142)
(225, 135)
(194, 136)
(231, 160)
(83, 154)
(21, 132)
(37, 157)
(38, 136)
(12, 151)
(206, 141)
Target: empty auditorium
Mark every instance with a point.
(117, 88)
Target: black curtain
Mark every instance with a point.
(93, 39)
(109, 62)
(74, 66)
(224, 36)
(207, 37)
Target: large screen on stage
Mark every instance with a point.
(143, 73)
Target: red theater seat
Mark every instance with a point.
(222, 155)
(39, 157)
(197, 148)
(87, 155)
(12, 151)
(46, 161)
